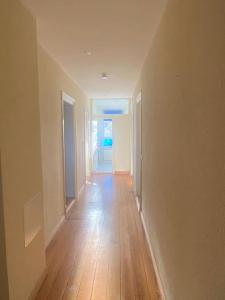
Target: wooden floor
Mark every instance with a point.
(100, 252)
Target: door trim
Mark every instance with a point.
(137, 101)
(68, 99)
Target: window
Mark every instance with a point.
(110, 106)
(107, 127)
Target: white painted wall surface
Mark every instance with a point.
(122, 144)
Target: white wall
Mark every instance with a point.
(52, 81)
(20, 146)
(183, 130)
(121, 143)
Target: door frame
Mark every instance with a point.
(87, 138)
(137, 100)
(101, 117)
(68, 99)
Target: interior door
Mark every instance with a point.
(102, 144)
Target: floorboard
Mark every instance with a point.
(100, 251)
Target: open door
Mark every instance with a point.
(69, 153)
(102, 145)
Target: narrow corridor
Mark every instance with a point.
(100, 251)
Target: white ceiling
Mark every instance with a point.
(117, 33)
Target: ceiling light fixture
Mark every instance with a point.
(88, 53)
(104, 76)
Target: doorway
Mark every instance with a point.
(102, 145)
(69, 143)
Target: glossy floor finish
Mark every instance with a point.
(100, 252)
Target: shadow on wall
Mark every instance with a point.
(4, 292)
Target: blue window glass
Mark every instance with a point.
(107, 142)
(113, 112)
(107, 139)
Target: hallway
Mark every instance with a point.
(100, 251)
(112, 126)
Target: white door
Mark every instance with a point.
(102, 146)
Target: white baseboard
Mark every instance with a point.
(70, 205)
(121, 172)
(63, 218)
(54, 231)
(81, 190)
(137, 202)
(159, 281)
